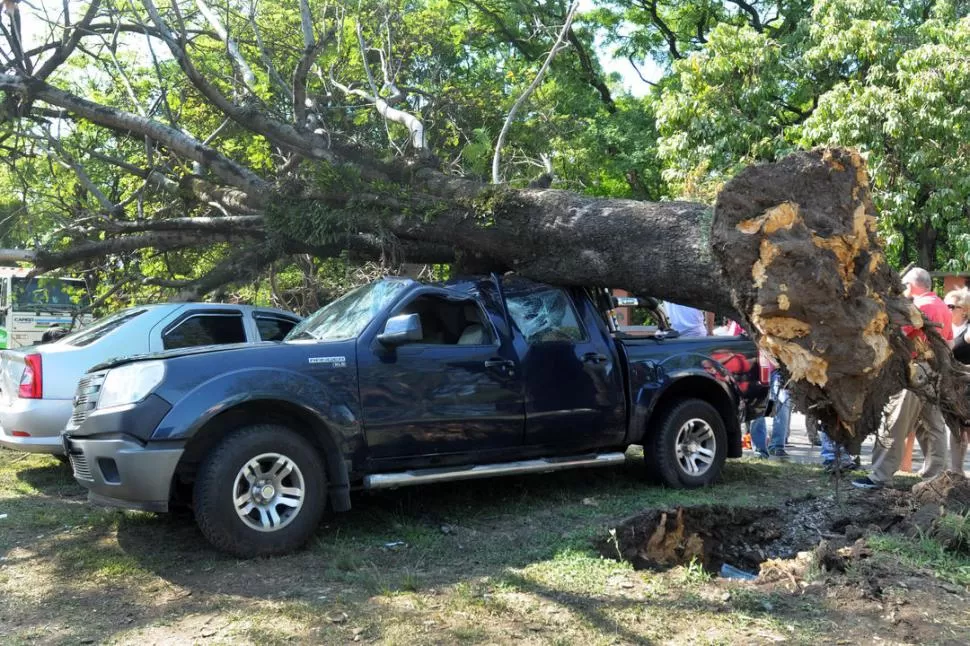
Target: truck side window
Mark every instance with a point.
(544, 315)
(447, 322)
(272, 328)
(205, 329)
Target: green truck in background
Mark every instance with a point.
(31, 306)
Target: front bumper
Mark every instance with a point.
(122, 472)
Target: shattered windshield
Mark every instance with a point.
(346, 317)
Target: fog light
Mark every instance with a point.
(109, 470)
(20, 434)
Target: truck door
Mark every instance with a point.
(573, 381)
(452, 391)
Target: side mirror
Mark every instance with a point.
(401, 329)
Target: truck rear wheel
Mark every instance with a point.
(688, 447)
(261, 491)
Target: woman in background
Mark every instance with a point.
(958, 301)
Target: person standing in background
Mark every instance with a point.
(958, 302)
(905, 411)
(780, 418)
(687, 321)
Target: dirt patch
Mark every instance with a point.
(818, 555)
(747, 537)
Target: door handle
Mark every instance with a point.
(507, 367)
(499, 363)
(595, 357)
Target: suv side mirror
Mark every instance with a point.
(401, 329)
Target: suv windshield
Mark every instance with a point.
(346, 317)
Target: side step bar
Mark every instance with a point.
(450, 474)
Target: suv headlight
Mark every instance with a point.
(130, 383)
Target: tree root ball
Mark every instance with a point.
(797, 241)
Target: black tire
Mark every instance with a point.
(218, 483)
(660, 450)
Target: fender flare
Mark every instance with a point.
(299, 404)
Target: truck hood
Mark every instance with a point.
(180, 352)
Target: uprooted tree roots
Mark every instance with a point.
(797, 242)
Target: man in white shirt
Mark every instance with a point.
(686, 320)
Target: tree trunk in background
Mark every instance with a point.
(927, 247)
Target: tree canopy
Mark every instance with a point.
(182, 145)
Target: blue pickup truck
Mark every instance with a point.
(400, 383)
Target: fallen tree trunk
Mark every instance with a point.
(790, 246)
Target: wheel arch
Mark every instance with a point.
(695, 387)
(265, 411)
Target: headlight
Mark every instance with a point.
(130, 383)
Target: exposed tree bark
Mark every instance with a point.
(126, 122)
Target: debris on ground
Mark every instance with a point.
(782, 543)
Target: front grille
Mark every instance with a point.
(86, 397)
(82, 469)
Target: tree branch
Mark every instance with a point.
(668, 34)
(15, 37)
(519, 43)
(412, 123)
(102, 28)
(147, 174)
(126, 122)
(589, 72)
(559, 44)
(249, 79)
(159, 240)
(752, 13)
(224, 224)
(264, 56)
(639, 73)
(311, 50)
(254, 120)
(65, 47)
(106, 205)
(241, 266)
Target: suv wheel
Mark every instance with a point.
(689, 446)
(260, 492)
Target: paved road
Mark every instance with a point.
(802, 451)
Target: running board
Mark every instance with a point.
(451, 474)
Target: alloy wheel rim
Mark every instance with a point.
(268, 492)
(696, 447)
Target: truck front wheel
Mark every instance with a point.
(688, 447)
(260, 492)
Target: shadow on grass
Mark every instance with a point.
(391, 542)
(53, 479)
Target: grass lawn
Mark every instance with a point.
(497, 561)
